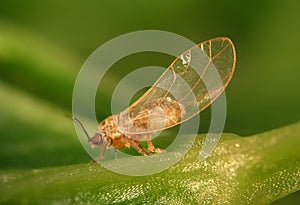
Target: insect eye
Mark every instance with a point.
(97, 139)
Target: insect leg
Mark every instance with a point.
(102, 154)
(151, 147)
(116, 154)
(136, 145)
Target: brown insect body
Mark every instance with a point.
(169, 111)
(191, 77)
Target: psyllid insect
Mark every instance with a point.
(187, 87)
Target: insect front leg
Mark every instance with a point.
(102, 154)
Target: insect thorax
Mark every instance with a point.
(108, 127)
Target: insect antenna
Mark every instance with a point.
(84, 130)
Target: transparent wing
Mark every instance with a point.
(190, 84)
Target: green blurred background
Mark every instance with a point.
(44, 43)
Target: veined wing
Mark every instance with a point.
(190, 84)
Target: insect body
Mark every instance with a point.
(186, 88)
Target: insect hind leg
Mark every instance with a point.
(151, 147)
(136, 145)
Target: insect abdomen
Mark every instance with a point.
(159, 113)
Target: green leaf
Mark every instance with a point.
(30, 63)
(36, 134)
(242, 170)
